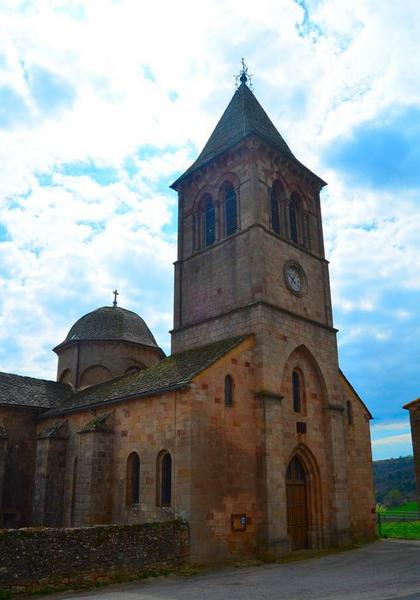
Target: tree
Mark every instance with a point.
(394, 498)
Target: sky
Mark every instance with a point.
(104, 103)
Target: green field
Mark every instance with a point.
(400, 522)
(407, 507)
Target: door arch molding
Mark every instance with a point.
(315, 517)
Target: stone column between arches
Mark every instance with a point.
(339, 532)
(274, 533)
(92, 500)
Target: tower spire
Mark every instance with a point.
(244, 76)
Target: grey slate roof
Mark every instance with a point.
(171, 373)
(17, 390)
(243, 116)
(111, 323)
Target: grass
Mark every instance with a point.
(393, 527)
(407, 507)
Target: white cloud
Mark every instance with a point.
(150, 81)
(392, 440)
(393, 426)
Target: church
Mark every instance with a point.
(249, 430)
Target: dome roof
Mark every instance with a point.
(111, 323)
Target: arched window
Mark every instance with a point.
(275, 197)
(132, 481)
(228, 391)
(94, 374)
(164, 479)
(231, 211)
(293, 221)
(349, 410)
(196, 230)
(65, 376)
(296, 392)
(209, 221)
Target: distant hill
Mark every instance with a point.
(394, 480)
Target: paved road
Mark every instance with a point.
(385, 570)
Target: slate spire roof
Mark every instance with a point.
(244, 115)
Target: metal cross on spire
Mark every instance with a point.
(244, 76)
(115, 292)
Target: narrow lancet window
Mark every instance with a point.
(210, 222)
(275, 207)
(166, 480)
(228, 390)
(296, 392)
(231, 211)
(132, 489)
(293, 222)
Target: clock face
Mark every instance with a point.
(295, 277)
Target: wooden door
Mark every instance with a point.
(297, 508)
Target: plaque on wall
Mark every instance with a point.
(238, 522)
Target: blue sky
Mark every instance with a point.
(104, 103)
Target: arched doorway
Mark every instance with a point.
(297, 504)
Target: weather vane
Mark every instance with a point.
(244, 76)
(115, 292)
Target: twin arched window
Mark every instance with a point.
(291, 220)
(212, 217)
(163, 479)
(132, 480)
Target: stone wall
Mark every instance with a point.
(360, 469)
(34, 559)
(19, 448)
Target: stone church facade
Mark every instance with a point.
(249, 430)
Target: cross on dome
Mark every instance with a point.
(115, 292)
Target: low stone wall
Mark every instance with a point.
(37, 558)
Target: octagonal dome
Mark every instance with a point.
(111, 323)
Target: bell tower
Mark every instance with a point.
(250, 246)
(251, 261)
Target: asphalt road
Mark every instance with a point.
(384, 570)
